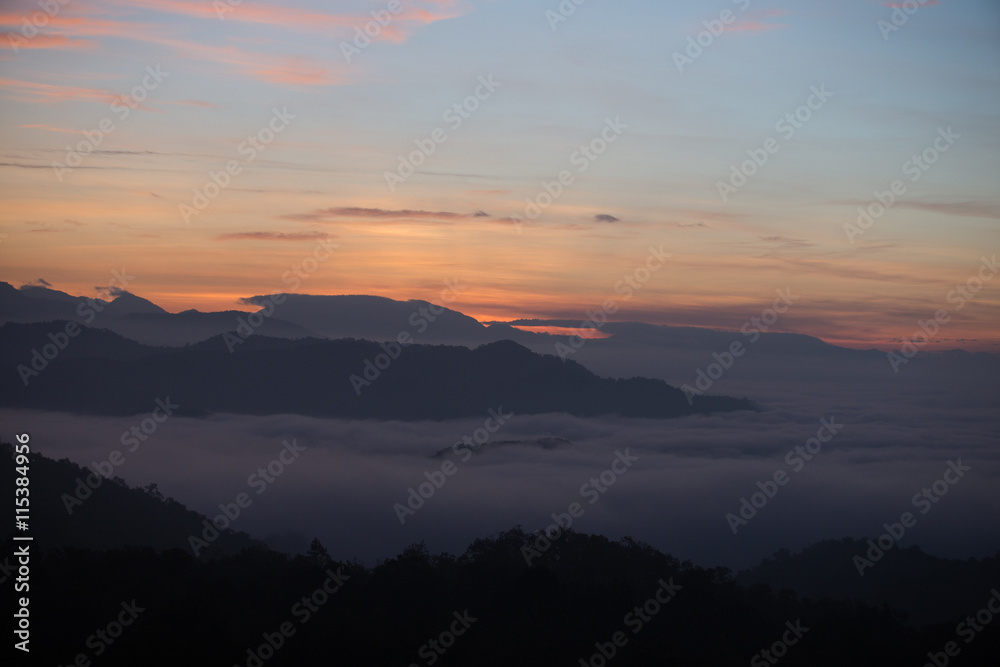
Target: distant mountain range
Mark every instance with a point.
(287, 323)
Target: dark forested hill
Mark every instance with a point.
(136, 595)
(342, 378)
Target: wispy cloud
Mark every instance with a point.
(305, 20)
(15, 42)
(966, 209)
(271, 236)
(30, 91)
(42, 126)
(900, 5)
(272, 68)
(754, 21)
(330, 214)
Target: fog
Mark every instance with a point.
(688, 474)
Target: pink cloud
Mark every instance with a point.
(63, 31)
(15, 42)
(283, 70)
(299, 19)
(52, 129)
(29, 91)
(753, 22)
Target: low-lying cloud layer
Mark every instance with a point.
(688, 474)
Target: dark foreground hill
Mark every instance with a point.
(924, 588)
(343, 378)
(73, 506)
(139, 600)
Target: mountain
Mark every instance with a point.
(674, 354)
(342, 378)
(107, 513)
(130, 304)
(922, 588)
(376, 318)
(21, 341)
(192, 326)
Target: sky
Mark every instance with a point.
(115, 117)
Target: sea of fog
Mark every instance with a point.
(682, 479)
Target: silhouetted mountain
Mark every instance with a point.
(192, 326)
(343, 378)
(674, 354)
(130, 304)
(923, 588)
(19, 341)
(73, 507)
(132, 316)
(35, 304)
(376, 318)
